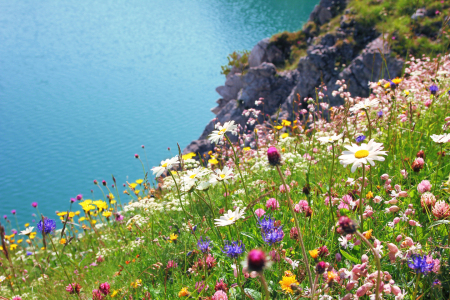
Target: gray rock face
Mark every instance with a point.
(329, 58)
(265, 52)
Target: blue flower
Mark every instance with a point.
(360, 138)
(274, 236)
(266, 224)
(233, 249)
(29, 253)
(392, 84)
(419, 264)
(48, 227)
(203, 245)
(380, 114)
(433, 89)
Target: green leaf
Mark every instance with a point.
(439, 223)
(349, 257)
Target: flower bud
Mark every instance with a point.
(104, 182)
(421, 154)
(273, 155)
(256, 260)
(347, 225)
(320, 267)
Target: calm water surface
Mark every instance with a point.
(83, 84)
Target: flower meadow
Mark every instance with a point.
(343, 202)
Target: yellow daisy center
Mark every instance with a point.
(231, 219)
(361, 153)
(192, 176)
(222, 176)
(164, 165)
(222, 131)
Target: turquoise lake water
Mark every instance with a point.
(83, 84)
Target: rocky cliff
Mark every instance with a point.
(347, 50)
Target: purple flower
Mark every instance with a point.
(233, 249)
(79, 197)
(203, 245)
(419, 264)
(266, 224)
(13, 211)
(433, 89)
(29, 253)
(256, 260)
(47, 227)
(34, 204)
(5, 217)
(274, 236)
(72, 200)
(360, 138)
(380, 114)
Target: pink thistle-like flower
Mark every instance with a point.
(256, 260)
(272, 203)
(427, 199)
(105, 288)
(260, 212)
(220, 295)
(428, 103)
(441, 210)
(171, 264)
(424, 186)
(273, 156)
(283, 188)
(221, 286)
(34, 204)
(418, 164)
(97, 295)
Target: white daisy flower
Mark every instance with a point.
(165, 164)
(217, 135)
(203, 185)
(366, 104)
(330, 139)
(221, 175)
(194, 174)
(363, 154)
(441, 138)
(230, 217)
(27, 231)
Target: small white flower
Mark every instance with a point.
(366, 104)
(218, 134)
(230, 217)
(330, 139)
(362, 154)
(222, 175)
(441, 138)
(27, 231)
(203, 185)
(343, 241)
(2, 278)
(165, 164)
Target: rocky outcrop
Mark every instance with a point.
(350, 51)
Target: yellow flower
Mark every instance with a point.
(133, 185)
(27, 224)
(173, 237)
(246, 148)
(368, 234)
(292, 220)
(286, 283)
(213, 161)
(332, 275)
(136, 283)
(77, 213)
(62, 214)
(286, 123)
(139, 181)
(94, 221)
(188, 156)
(81, 219)
(13, 246)
(113, 201)
(284, 135)
(87, 208)
(369, 195)
(85, 202)
(396, 80)
(19, 241)
(107, 214)
(111, 196)
(288, 273)
(184, 292)
(256, 130)
(278, 127)
(314, 253)
(62, 241)
(9, 237)
(387, 85)
(114, 293)
(406, 93)
(71, 214)
(32, 235)
(101, 205)
(43, 248)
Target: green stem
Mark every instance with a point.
(417, 286)
(361, 210)
(265, 286)
(330, 186)
(179, 196)
(300, 235)
(236, 162)
(437, 170)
